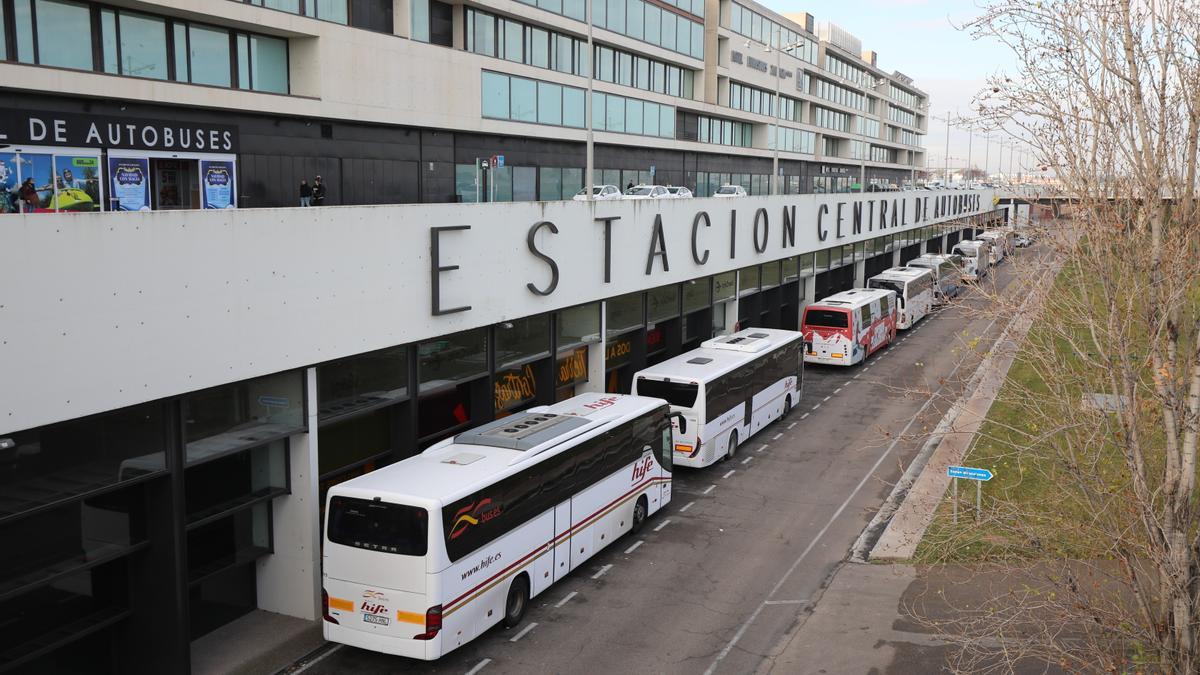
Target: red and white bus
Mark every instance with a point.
(426, 554)
(847, 327)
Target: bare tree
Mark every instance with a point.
(1107, 94)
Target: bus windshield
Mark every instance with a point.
(379, 526)
(679, 394)
(826, 318)
(888, 285)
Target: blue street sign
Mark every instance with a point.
(969, 473)
(499, 161)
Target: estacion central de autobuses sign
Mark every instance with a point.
(24, 127)
(833, 223)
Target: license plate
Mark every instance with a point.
(376, 619)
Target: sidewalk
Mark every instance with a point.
(255, 644)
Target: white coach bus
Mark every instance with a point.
(727, 390)
(1003, 242)
(914, 290)
(847, 327)
(976, 258)
(426, 554)
(947, 274)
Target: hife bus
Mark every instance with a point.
(727, 390)
(847, 327)
(426, 554)
(914, 291)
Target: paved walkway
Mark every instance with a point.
(257, 643)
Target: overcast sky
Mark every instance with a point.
(919, 38)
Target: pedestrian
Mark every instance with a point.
(630, 186)
(305, 193)
(29, 194)
(318, 192)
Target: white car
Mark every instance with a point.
(730, 191)
(599, 192)
(680, 192)
(1022, 241)
(647, 192)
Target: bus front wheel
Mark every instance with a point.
(732, 446)
(518, 601)
(639, 514)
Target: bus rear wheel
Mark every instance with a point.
(517, 602)
(733, 444)
(787, 405)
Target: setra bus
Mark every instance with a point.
(727, 390)
(914, 292)
(426, 554)
(847, 327)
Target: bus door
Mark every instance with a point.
(562, 546)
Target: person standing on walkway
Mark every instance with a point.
(318, 192)
(306, 193)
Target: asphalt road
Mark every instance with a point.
(744, 550)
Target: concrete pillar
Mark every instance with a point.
(596, 352)
(401, 18)
(289, 580)
(896, 256)
(860, 274)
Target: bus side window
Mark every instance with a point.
(864, 315)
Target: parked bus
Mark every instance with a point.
(976, 258)
(426, 554)
(1003, 244)
(727, 390)
(914, 292)
(947, 273)
(847, 327)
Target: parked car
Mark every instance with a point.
(599, 192)
(647, 192)
(1022, 241)
(730, 191)
(679, 192)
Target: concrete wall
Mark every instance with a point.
(100, 311)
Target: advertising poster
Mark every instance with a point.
(217, 184)
(130, 178)
(8, 182)
(37, 181)
(77, 183)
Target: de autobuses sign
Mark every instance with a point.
(32, 127)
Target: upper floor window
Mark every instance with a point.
(88, 36)
(758, 27)
(373, 15)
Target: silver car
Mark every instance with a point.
(679, 192)
(599, 192)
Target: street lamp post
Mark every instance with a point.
(589, 178)
(987, 146)
(778, 107)
(970, 140)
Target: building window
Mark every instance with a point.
(523, 100)
(454, 358)
(653, 24)
(362, 382)
(225, 419)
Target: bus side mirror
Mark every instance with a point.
(678, 417)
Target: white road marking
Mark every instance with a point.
(747, 460)
(866, 368)
(317, 660)
(729, 473)
(479, 666)
(825, 399)
(856, 376)
(816, 406)
(777, 436)
(565, 600)
(763, 446)
(785, 602)
(601, 572)
(838, 390)
(633, 548)
(805, 415)
(662, 525)
(686, 506)
(524, 632)
(710, 489)
(791, 425)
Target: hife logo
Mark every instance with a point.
(642, 468)
(473, 514)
